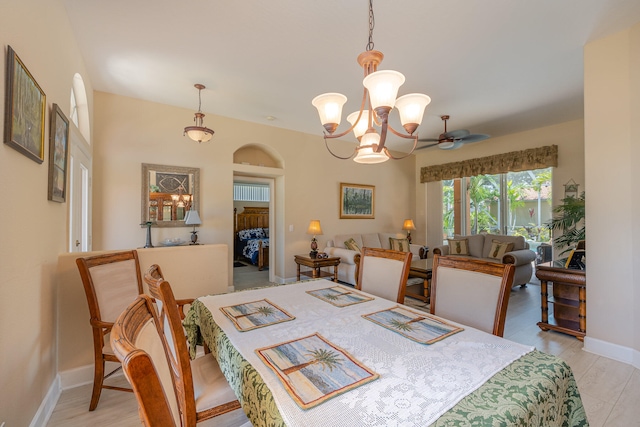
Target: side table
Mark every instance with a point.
(569, 300)
(420, 268)
(315, 264)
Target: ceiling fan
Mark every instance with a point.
(453, 139)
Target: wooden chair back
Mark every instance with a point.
(111, 282)
(138, 344)
(384, 273)
(471, 292)
(220, 396)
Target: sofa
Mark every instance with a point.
(495, 248)
(349, 258)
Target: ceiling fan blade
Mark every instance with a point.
(455, 146)
(474, 138)
(455, 134)
(428, 140)
(426, 146)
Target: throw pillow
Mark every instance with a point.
(401, 245)
(498, 249)
(458, 246)
(351, 244)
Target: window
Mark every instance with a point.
(513, 203)
(248, 192)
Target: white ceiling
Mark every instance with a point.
(495, 66)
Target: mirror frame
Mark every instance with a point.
(144, 197)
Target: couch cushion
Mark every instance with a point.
(458, 246)
(352, 244)
(371, 240)
(476, 244)
(384, 239)
(518, 243)
(499, 248)
(401, 245)
(341, 238)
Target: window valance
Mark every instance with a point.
(516, 161)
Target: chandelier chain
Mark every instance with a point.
(372, 24)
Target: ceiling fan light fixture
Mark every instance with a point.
(446, 145)
(199, 132)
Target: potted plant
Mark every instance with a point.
(569, 219)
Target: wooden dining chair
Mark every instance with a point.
(471, 292)
(137, 342)
(111, 281)
(202, 390)
(384, 273)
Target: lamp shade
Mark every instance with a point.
(408, 225)
(363, 123)
(198, 133)
(411, 107)
(383, 87)
(192, 218)
(314, 227)
(365, 151)
(329, 107)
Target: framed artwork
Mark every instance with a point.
(357, 201)
(24, 110)
(58, 149)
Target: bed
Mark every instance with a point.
(252, 235)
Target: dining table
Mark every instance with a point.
(362, 369)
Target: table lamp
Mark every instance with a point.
(315, 230)
(192, 218)
(408, 225)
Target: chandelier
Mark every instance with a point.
(378, 99)
(198, 132)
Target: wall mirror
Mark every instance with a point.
(168, 192)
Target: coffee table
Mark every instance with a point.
(420, 268)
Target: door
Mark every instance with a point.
(79, 193)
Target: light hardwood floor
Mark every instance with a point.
(610, 390)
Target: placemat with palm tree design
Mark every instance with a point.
(255, 314)
(313, 370)
(419, 327)
(340, 296)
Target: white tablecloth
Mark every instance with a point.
(417, 383)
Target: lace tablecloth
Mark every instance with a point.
(418, 383)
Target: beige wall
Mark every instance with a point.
(612, 151)
(569, 137)
(129, 132)
(33, 228)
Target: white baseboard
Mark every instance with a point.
(612, 351)
(76, 377)
(48, 404)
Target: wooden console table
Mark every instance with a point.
(316, 264)
(569, 300)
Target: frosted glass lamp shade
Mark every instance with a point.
(411, 107)
(199, 133)
(365, 151)
(363, 123)
(383, 88)
(329, 107)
